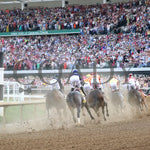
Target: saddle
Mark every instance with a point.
(117, 90)
(79, 90)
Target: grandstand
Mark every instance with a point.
(121, 41)
(11, 4)
(127, 25)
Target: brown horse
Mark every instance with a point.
(95, 100)
(143, 97)
(136, 98)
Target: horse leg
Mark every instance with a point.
(139, 99)
(59, 113)
(88, 110)
(48, 113)
(72, 112)
(121, 105)
(64, 111)
(105, 104)
(96, 111)
(103, 111)
(78, 114)
(47, 108)
(83, 111)
(144, 104)
(141, 105)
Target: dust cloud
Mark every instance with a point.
(64, 120)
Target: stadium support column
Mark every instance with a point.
(1, 81)
(22, 5)
(63, 3)
(1, 76)
(104, 1)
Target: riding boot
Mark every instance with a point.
(83, 90)
(61, 90)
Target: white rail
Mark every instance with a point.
(99, 70)
(11, 91)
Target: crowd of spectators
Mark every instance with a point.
(94, 19)
(50, 52)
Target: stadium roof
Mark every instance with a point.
(78, 1)
(11, 4)
(25, 1)
(8, 4)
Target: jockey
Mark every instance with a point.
(139, 89)
(132, 81)
(87, 87)
(87, 83)
(76, 81)
(54, 84)
(137, 85)
(98, 84)
(114, 84)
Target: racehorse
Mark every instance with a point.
(117, 99)
(95, 100)
(87, 88)
(143, 97)
(144, 100)
(135, 98)
(75, 100)
(55, 99)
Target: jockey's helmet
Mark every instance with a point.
(114, 76)
(53, 81)
(75, 72)
(130, 75)
(88, 75)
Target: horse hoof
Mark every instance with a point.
(97, 122)
(93, 118)
(79, 125)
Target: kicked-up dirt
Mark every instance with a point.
(121, 131)
(126, 135)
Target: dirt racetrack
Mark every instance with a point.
(119, 132)
(127, 135)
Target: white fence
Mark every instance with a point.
(67, 71)
(12, 96)
(11, 91)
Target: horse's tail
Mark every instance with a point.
(101, 98)
(61, 86)
(70, 100)
(48, 95)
